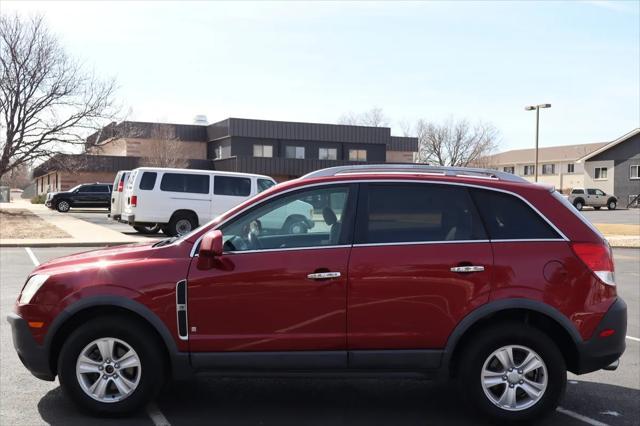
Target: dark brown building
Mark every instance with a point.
(281, 149)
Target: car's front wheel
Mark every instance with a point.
(111, 366)
(513, 372)
(63, 206)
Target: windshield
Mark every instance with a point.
(74, 188)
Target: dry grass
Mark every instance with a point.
(20, 224)
(618, 229)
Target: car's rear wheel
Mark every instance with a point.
(611, 205)
(63, 206)
(148, 229)
(579, 205)
(111, 366)
(512, 372)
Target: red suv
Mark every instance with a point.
(465, 274)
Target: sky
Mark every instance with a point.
(315, 61)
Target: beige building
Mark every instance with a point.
(558, 165)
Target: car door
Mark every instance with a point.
(420, 262)
(273, 291)
(601, 197)
(592, 198)
(83, 196)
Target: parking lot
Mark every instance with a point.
(602, 397)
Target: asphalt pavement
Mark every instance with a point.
(602, 397)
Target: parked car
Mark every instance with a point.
(83, 195)
(179, 200)
(465, 274)
(593, 197)
(118, 202)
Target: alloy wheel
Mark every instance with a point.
(514, 377)
(108, 370)
(63, 206)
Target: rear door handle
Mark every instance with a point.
(467, 269)
(323, 275)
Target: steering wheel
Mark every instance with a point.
(254, 242)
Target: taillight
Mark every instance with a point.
(133, 200)
(598, 258)
(120, 185)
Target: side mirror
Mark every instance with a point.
(210, 250)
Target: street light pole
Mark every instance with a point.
(537, 108)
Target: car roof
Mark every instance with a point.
(214, 172)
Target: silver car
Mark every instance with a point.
(593, 197)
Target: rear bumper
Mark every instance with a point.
(599, 352)
(128, 218)
(32, 355)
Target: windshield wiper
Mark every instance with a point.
(165, 242)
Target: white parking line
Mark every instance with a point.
(156, 415)
(33, 257)
(635, 339)
(580, 417)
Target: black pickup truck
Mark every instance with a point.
(84, 195)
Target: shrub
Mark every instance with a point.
(39, 199)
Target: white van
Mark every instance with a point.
(118, 202)
(180, 200)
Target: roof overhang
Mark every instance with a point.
(609, 145)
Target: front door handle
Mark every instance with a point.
(467, 269)
(323, 275)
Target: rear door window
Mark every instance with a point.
(179, 182)
(507, 217)
(102, 188)
(231, 185)
(148, 180)
(401, 213)
(591, 191)
(578, 191)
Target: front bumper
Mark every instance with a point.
(600, 352)
(32, 355)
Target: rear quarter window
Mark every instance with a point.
(507, 217)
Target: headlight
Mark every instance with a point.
(31, 288)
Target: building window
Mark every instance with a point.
(263, 151)
(509, 169)
(600, 173)
(571, 168)
(357, 155)
(529, 170)
(548, 169)
(223, 151)
(634, 172)
(295, 152)
(328, 154)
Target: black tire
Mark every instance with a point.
(491, 339)
(612, 204)
(138, 336)
(63, 206)
(148, 230)
(579, 204)
(177, 224)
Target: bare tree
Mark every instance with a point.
(374, 117)
(168, 151)
(455, 142)
(48, 102)
(18, 177)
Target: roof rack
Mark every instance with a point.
(415, 169)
